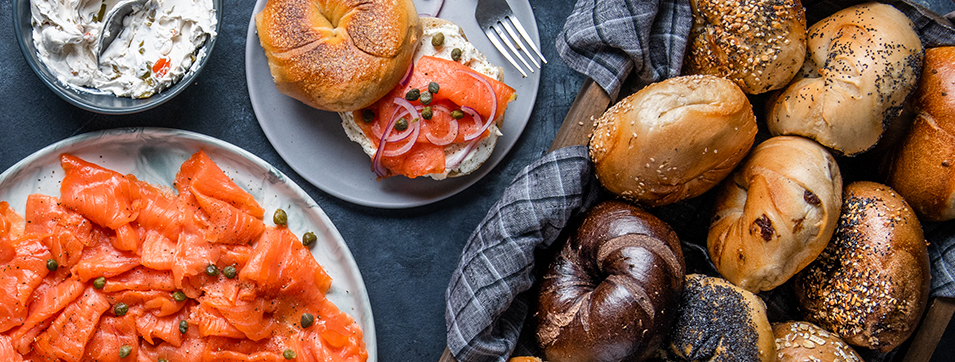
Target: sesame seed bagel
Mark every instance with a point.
(673, 139)
(758, 44)
(871, 283)
(803, 342)
(862, 63)
(338, 55)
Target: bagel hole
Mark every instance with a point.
(329, 16)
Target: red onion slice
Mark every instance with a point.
(435, 8)
(487, 85)
(452, 132)
(477, 119)
(407, 77)
(456, 160)
(413, 125)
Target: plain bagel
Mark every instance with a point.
(338, 55)
(862, 63)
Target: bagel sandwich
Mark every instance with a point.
(443, 119)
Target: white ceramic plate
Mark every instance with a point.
(154, 155)
(314, 144)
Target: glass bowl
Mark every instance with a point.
(99, 102)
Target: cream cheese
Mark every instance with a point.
(159, 43)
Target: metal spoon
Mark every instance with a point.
(113, 24)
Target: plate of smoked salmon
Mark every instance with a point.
(157, 244)
(315, 145)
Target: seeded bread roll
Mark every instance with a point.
(719, 321)
(673, 140)
(338, 55)
(611, 293)
(806, 342)
(862, 63)
(758, 44)
(776, 213)
(871, 283)
(923, 170)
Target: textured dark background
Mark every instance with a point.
(405, 256)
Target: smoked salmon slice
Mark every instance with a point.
(104, 196)
(460, 86)
(126, 265)
(63, 231)
(68, 334)
(201, 172)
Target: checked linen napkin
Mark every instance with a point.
(610, 40)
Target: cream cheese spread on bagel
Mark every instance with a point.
(460, 158)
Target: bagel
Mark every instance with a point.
(776, 213)
(861, 65)
(428, 158)
(338, 55)
(612, 292)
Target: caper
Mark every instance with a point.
(229, 272)
(437, 40)
(401, 124)
(309, 238)
(179, 296)
(368, 115)
(52, 265)
(427, 113)
(457, 114)
(211, 270)
(162, 360)
(433, 87)
(280, 217)
(99, 283)
(125, 350)
(183, 326)
(413, 94)
(288, 354)
(120, 309)
(426, 98)
(307, 320)
(456, 54)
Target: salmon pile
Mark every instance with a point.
(117, 269)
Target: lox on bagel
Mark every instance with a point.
(398, 137)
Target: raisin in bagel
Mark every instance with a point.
(338, 55)
(611, 293)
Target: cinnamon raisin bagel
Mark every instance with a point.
(338, 55)
(612, 291)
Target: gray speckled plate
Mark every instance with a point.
(314, 144)
(154, 155)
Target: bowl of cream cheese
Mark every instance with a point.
(163, 46)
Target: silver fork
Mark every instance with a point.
(494, 15)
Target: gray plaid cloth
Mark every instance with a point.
(609, 39)
(484, 315)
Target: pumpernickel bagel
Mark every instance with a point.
(338, 55)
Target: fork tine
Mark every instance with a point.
(520, 45)
(527, 38)
(497, 44)
(510, 45)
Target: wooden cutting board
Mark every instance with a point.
(590, 104)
